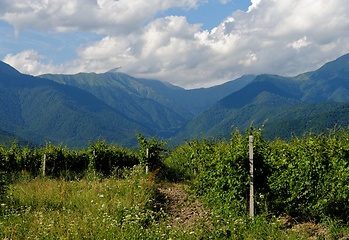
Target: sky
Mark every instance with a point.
(189, 43)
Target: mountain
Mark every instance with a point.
(198, 100)
(131, 97)
(287, 105)
(76, 109)
(111, 85)
(328, 83)
(326, 116)
(40, 110)
(162, 107)
(7, 70)
(7, 139)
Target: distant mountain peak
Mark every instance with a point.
(8, 70)
(337, 67)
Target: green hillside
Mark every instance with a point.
(41, 110)
(162, 107)
(7, 139)
(287, 105)
(328, 116)
(131, 97)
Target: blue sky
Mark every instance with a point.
(211, 13)
(190, 43)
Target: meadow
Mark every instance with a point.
(104, 192)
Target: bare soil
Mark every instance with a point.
(184, 212)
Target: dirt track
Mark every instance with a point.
(184, 212)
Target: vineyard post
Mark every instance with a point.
(94, 162)
(147, 161)
(44, 165)
(251, 177)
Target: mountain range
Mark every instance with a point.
(75, 109)
(286, 106)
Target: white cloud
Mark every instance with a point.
(249, 60)
(283, 37)
(224, 1)
(254, 5)
(301, 43)
(100, 16)
(31, 62)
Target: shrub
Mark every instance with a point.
(104, 158)
(150, 152)
(305, 178)
(309, 176)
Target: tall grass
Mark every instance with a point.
(93, 208)
(100, 208)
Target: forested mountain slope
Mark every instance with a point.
(162, 107)
(287, 105)
(40, 110)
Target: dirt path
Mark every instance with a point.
(184, 212)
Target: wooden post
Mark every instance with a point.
(94, 162)
(146, 165)
(251, 177)
(44, 165)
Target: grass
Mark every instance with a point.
(93, 208)
(130, 208)
(99, 208)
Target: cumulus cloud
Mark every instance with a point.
(100, 16)
(31, 62)
(301, 43)
(282, 37)
(254, 5)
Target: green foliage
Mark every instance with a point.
(222, 171)
(150, 152)
(180, 161)
(19, 160)
(305, 178)
(309, 176)
(105, 159)
(60, 161)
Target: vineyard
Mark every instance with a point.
(103, 191)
